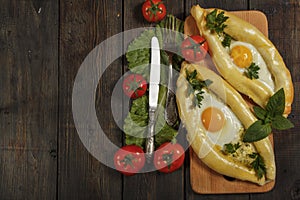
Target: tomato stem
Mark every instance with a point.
(134, 85)
(154, 9)
(128, 160)
(168, 158)
(195, 46)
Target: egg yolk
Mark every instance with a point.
(213, 119)
(241, 56)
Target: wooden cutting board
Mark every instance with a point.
(203, 179)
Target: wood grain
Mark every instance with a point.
(83, 25)
(43, 43)
(28, 102)
(284, 32)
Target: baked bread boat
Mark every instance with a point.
(274, 74)
(210, 142)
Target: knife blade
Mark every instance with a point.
(153, 95)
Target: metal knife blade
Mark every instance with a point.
(154, 73)
(153, 95)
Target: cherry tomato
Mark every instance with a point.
(169, 157)
(134, 85)
(129, 159)
(194, 48)
(154, 10)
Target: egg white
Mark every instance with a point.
(263, 73)
(232, 128)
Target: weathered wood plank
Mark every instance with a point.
(284, 31)
(230, 5)
(153, 185)
(28, 104)
(140, 186)
(84, 24)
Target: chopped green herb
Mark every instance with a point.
(231, 148)
(196, 86)
(252, 71)
(215, 21)
(226, 41)
(258, 165)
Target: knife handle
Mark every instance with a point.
(150, 135)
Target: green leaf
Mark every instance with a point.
(259, 112)
(276, 103)
(135, 124)
(269, 118)
(174, 36)
(138, 51)
(138, 59)
(257, 131)
(227, 40)
(176, 62)
(231, 148)
(215, 21)
(258, 165)
(166, 133)
(129, 140)
(281, 123)
(252, 71)
(196, 86)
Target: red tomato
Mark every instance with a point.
(154, 10)
(134, 85)
(129, 159)
(169, 157)
(194, 48)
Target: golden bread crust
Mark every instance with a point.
(209, 153)
(246, 32)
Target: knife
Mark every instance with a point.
(153, 95)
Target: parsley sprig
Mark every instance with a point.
(268, 118)
(196, 86)
(215, 22)
(227, 40)
(231, 148)
(258, 165)
(252, 71)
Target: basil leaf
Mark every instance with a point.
(257, 131)
(281, 123)
(276, 103)
(259, 112)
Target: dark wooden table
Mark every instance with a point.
(42, 45)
